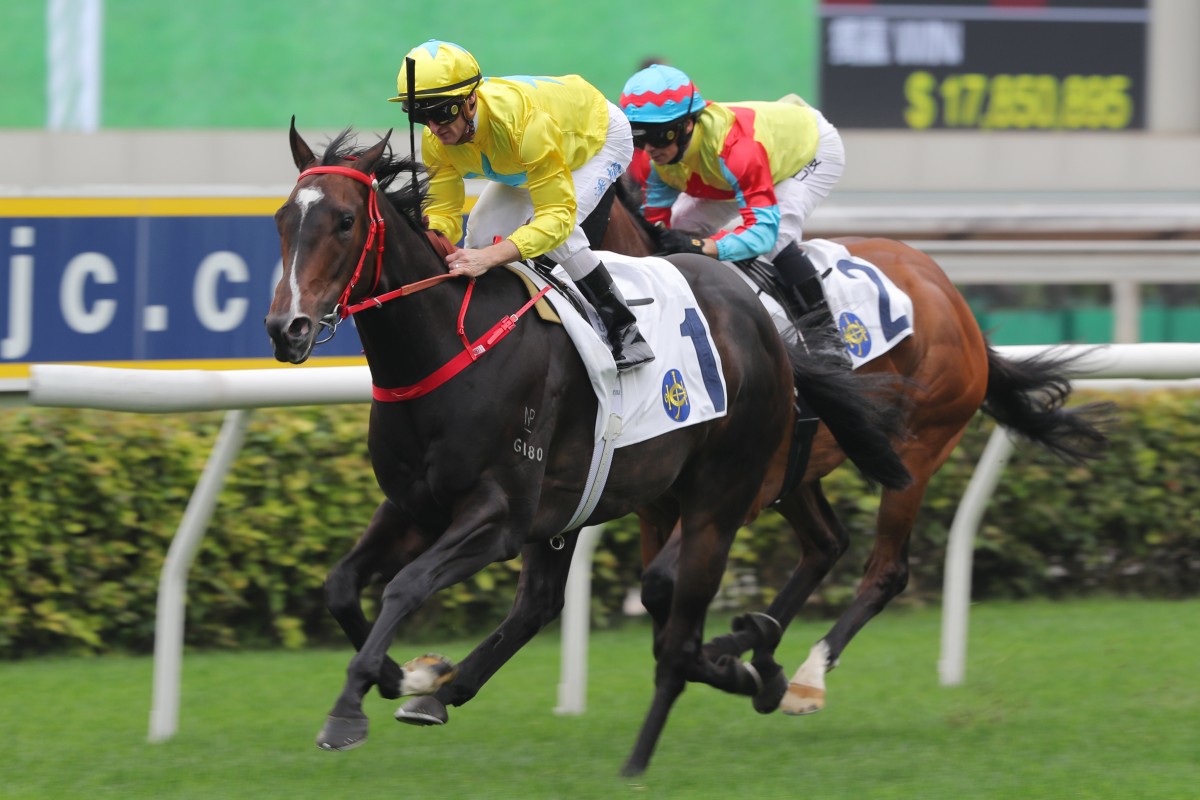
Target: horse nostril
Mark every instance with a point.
(299, 328)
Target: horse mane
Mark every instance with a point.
(631, 196)
(408, 197)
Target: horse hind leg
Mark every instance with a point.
(658, 581)
(885, 577)
(702, 554)
(761, 679)
(823, 540)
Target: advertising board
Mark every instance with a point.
(166, 282)
(985, 64)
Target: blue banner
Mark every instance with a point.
(142, 288)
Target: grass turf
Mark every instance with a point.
(1087, 699)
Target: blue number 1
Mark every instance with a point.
(693, 328)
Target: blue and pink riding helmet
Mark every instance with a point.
(658, 101)
(659, 94)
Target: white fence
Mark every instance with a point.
(1123, 266)
(156, 391)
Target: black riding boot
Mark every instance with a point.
(802, 286)
(629, 349)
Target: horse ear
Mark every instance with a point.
(370, 159)
(302, 154)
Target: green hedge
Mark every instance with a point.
(92, 499)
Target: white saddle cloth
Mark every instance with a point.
(872, 313)
(683, 385)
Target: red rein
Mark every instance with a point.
(472, 350)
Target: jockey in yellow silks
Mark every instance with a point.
(550, 148)
(735, 181)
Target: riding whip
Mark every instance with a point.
(412, 127)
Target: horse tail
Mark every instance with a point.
(1028, 397)
(865, 412)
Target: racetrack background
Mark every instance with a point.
(200, 93)
(195, 100)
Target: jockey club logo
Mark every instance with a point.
(854, 334)
(675, 396)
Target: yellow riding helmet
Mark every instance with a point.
(442, 69)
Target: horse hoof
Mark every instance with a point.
(801, 700)
(772, 693)
(424, 711)
(342, 733)
(426, 674)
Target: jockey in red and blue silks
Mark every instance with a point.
(744, 176)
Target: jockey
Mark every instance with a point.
(549, 147)
(743, 175)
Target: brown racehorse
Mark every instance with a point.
(459, 375)
(950, 372)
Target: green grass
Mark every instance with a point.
(238, 64)
(1094, 699)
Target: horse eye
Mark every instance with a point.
(347, 223)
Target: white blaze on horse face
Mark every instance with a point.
(305, 198)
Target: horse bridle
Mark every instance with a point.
(375, 236)
(472, 350)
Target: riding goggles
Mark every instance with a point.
(658, 135)
(442, 111)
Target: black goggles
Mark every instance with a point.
(659, 136)
(443, 112)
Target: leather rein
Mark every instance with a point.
(472, 351)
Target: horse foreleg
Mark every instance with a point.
(388, 543)
(541, 591)
(885, 577)
(472, 542)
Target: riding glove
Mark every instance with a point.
(672, 241)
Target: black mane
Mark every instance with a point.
(407, 198)
(630, 195)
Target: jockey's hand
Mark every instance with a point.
(471, 263)
(673, 241)
(467, 263)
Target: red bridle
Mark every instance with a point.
(375, 233)
(471, 350)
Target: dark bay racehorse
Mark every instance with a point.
(949, 373)
(460, 373)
